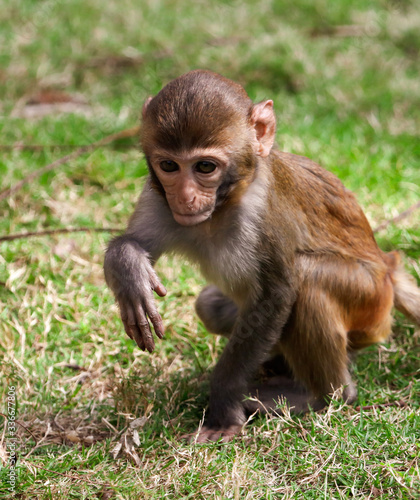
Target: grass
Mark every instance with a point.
(345, 81)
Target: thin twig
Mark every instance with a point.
(126, 133)
(19, 236)
(23, 426)
(130, 132)
(398, 404)
(38, 444)
(397, 218)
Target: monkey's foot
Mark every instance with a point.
(270, 397)
(210, 434)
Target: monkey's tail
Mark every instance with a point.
(406, 291)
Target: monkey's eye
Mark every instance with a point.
(205, 167)
(168, 166)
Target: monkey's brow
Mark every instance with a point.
(194, 154)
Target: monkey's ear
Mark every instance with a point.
(264, 123)
(145, 105)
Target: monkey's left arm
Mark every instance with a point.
(256, 331)
(129, 271)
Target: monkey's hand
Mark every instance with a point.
(137, 307)
(133, 280)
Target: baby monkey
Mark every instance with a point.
(296, 274)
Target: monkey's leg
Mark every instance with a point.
(218, 312)
(315, 345)
(277, 387)
(255, 333)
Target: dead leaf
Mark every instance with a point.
(116, 450)
(129, 441)
(136, 437)
(138, 422)
(73, 436)
(129, 448)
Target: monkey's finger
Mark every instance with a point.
(155, 318)
(124, 317)
(144, 327)
(157, 286)
(128, 330)
(130, 327)
(158, 326)
(134, 333)
(224, 435)
(160, 290)
(206, 435)
(138, 337)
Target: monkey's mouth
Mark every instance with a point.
(192, 219)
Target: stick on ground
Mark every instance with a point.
(129, 132)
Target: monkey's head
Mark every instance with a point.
(202, 136)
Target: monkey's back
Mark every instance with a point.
(333, 221)
(337, 254)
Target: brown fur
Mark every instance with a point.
(295, 263)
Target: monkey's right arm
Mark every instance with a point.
(129, 272)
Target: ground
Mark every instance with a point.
(96, 417)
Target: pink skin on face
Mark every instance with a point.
(190, 182)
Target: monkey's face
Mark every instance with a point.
(190, 181)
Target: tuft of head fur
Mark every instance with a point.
(199, 109)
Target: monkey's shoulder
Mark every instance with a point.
(330, 215)
(317, 189)
(307, 174)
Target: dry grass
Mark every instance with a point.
(97, 418)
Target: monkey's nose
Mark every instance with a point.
(190, 204)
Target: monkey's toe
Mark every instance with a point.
(212, 435)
